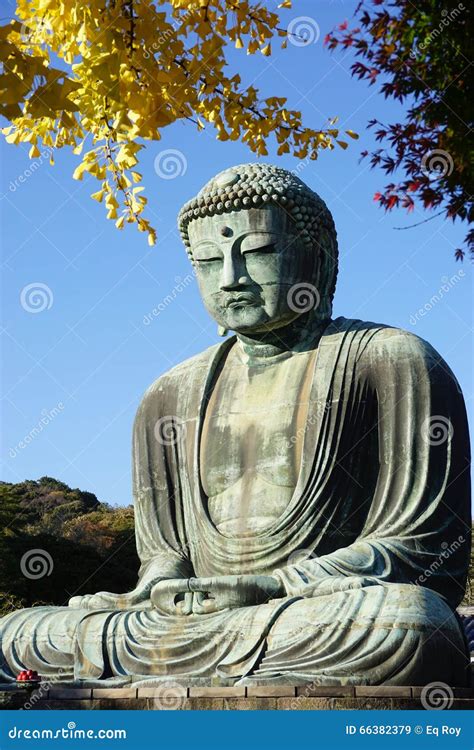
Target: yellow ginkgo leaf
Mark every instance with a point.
(78, 173)
(98, 196)
(120, 81)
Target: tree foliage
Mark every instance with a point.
(89, 546)
(126, 69)
(418, 52)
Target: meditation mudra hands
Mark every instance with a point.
(185, 596)
(200, 596)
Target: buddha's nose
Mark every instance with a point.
(233, 275)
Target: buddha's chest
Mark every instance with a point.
(251, 441)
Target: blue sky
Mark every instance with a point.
(83, 363)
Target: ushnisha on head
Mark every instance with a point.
(264, 247)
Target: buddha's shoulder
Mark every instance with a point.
(389, 344)
(182, 375)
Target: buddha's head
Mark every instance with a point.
(264, 248)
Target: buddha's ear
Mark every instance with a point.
(326, 249)
(221, 331)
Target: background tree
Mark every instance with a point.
(56, 542)
(418, 52)
(128, 69)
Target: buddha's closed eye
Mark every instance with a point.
(208, 260)
(264, 249)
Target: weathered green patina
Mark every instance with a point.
(301, 489)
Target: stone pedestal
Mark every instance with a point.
(284, 698)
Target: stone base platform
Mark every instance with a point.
(284, 698)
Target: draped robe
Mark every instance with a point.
(372, 548)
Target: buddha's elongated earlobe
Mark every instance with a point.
(221, 331)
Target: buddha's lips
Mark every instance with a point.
(242, 300)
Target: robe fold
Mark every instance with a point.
(372, 548)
